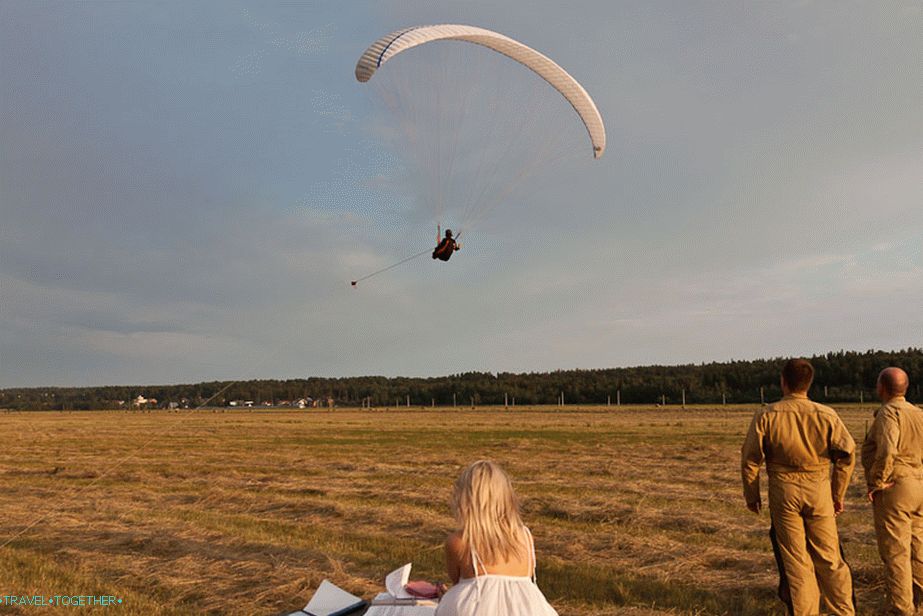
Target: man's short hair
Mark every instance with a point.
(798, 374)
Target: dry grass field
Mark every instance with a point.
(634, 510)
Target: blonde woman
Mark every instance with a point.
(491, 557)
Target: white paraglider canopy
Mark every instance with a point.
(389, 46)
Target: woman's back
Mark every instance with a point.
(513, 564)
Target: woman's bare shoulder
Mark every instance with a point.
(454, 542)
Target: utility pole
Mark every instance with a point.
(408, 400)
(454, 405)
(506, 401)
(618, 397)
(684, 397)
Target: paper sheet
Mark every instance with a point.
(396, 580)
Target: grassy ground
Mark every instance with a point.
(634, 510)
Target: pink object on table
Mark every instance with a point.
(422, 589)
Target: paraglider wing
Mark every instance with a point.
(389, 46)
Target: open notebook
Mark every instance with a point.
(330, 600)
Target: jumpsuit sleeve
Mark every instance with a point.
(886, 440)
(869, 452)
(842, 449)
(751, 458)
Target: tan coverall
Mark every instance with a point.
(799, 439)
(893, 453)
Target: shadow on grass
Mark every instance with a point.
(598, 586)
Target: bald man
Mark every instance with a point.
(892, 456)
(809, 458)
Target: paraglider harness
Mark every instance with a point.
(447, 246)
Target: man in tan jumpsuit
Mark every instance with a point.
(799, 439)
(892, 455)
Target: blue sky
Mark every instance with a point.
(187, 188)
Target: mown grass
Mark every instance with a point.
(635, 510)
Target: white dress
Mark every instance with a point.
(489, 594)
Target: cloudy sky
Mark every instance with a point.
(186, 190)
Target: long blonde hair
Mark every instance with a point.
(487, 512)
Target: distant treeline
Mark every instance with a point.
(844, 376)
